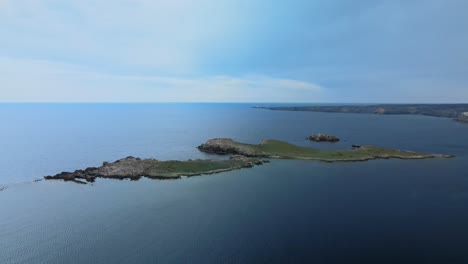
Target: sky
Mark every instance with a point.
(318, 51)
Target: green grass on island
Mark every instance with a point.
(174, 168)
(286, 150)
(280, 149)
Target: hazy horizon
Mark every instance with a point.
(233, 102)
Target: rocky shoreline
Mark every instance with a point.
(135, 168)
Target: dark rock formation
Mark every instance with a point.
(227, 146)
(323, 137)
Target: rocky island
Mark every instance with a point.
(243, 156)
(454, 111)
(323, 138)
(134, 168)
(284, 150)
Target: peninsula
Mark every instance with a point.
(243, 156)
(458, 112)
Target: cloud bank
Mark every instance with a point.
(58, 82)
(234, 50)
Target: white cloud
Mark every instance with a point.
(166, 36)
(134, 50)
(44, 81)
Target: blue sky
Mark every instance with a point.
(233, 51)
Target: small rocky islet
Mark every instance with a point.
(242, 156)
(323, 138)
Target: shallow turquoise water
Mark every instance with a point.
(386, 211)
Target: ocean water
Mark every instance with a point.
(288, 211)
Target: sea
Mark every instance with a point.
(287, 211)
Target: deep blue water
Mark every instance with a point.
(385, 211)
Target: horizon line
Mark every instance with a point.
(228, 102)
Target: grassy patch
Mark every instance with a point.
(286, 150)
(190, 167)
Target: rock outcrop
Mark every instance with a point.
(323, 138)
(227, 146)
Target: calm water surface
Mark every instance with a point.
(386, 211)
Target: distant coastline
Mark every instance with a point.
(458, 112)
